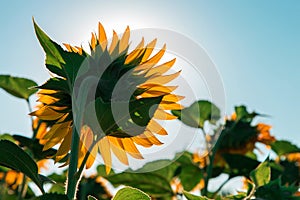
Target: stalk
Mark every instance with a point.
(73, 180)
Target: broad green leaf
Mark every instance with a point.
(261, 175)
(63, 63)
(129, 193)
(190, 196)
(190, 176)
(52, 50)
(282, 147)
(52, 197)
(153, 184)
(196, 114)
(165, 168)
(14, 157)
(18, 87)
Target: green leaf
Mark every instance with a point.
(282, 147)
(243, 114)
(154, 184)
(196, 114)
(129, 193)
(261, 175)
(52, 49)
(190, 176)
(63, 63)
(190, 196)
(57, 188)
(14, 157)
(276, 191)
(52, 196)
(18, 87)
(7, 136)
(168, 171)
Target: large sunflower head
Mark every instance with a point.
(112, 96)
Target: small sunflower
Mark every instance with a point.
(240, 138)
(147, 96)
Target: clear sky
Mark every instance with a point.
(254, 44)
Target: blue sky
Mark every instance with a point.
(254, 44)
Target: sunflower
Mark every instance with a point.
(240, 138)
(144, 94)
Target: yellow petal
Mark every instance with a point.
(45, 91)
(157, 90)
(155, 127)
(118, 149)
(151, 137)
(161, 69)
(102, 36)
(114, 42)
(162, 115)
(149, 49)
(131, 148)
(142, 140)
(68, 47)
(92, 157)
(124, 40)
(86, 137)
(156, 58)
(170, 106)
(104, 148)
(56, 134)
(135, 53)
(47, 99)
(93, 41)
(172, 98)
(48, 113)
(162, 79)
(65, 145)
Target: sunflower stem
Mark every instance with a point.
(72, 178)
(212, 158)
(31, 118)
(211, 163)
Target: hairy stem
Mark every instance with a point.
(72, 178)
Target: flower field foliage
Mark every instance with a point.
(74, 122)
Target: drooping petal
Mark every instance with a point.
(118, 149)
(104, 148)
(131, 148)
(162, 115)
(155, 127)
(92, 157)
(47, 113)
